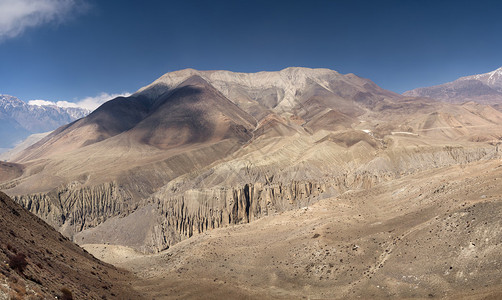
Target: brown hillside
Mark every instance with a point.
(37, 262)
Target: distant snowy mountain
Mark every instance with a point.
(483, 88)
(492, 79)
(18, 119)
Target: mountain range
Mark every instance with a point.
(482, 88)
(224, 136)
(168, 173)
(18, 119)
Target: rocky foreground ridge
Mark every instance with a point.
(37, 262)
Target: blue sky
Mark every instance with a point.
(74, 49)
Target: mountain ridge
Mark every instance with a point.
(19, 119)
(492, 79)
(288, 81)
(484, 88)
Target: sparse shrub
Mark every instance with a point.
(67, 294)
(34, 279)
(18, 262)
(14, 212)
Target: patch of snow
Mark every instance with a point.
(492, 79)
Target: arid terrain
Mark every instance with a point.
(37, 262)
(431, 235)
(302, 183)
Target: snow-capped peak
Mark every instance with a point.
(492, 79)
(7, 100)
(24, 119)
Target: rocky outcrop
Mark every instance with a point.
(73, 208)
(193, 211)
(82, 204)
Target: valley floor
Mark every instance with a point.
(435, 234)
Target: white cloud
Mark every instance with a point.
(18, 15)
(58, 103)
(90, 103)
(94, 102)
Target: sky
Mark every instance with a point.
(86, 51)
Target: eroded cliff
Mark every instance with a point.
(190, 205)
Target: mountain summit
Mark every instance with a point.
(278, 91)
(492, 79)
(483, 88)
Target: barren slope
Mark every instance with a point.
(39, 263)
(435, 234)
